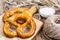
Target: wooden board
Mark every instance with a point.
(3, 37)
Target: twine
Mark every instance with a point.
(52, 27)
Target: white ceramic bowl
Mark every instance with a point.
(46, 11)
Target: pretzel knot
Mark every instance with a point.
(20, 18)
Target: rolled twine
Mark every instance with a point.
(52, 27)
(37, 16)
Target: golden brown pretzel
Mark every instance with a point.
(7, 25)
(13, 17)
(28, 19)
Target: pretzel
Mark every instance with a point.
(13, 17)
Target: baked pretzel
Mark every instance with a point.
(13, 17)
(6, 24)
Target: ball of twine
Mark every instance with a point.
(52, 27)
